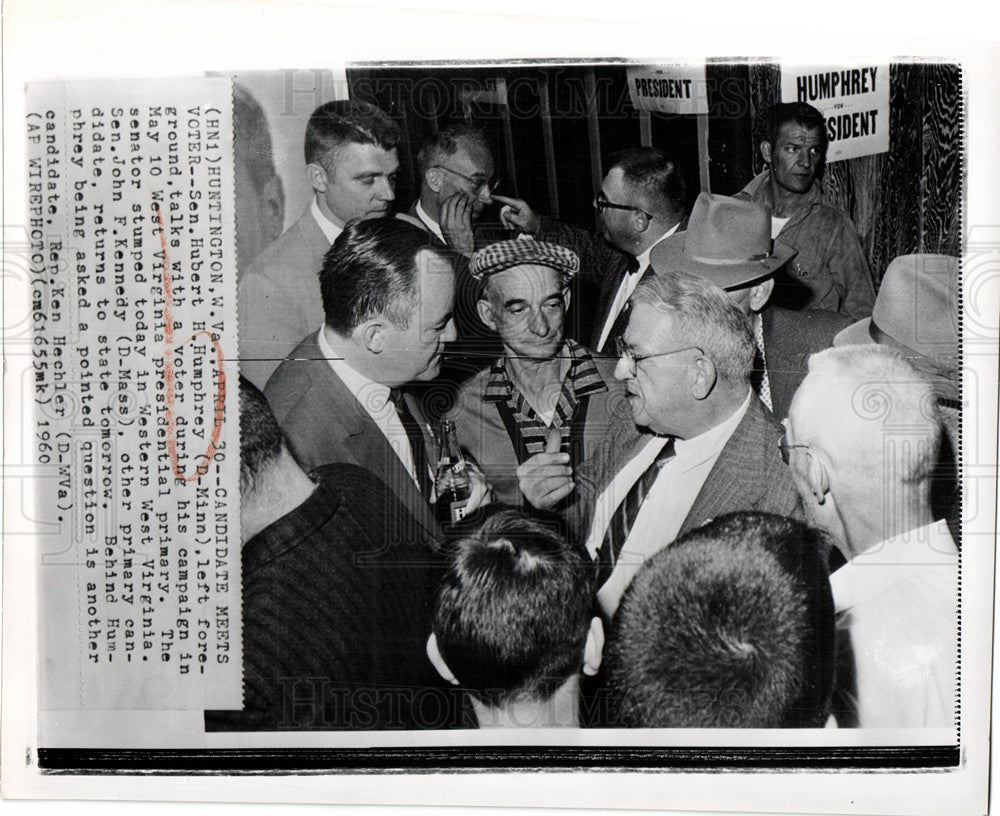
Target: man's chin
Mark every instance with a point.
(431, 371)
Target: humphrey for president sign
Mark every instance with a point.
(855, 102)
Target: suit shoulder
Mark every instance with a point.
(821, 325)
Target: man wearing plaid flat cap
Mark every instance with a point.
(728, 243)
(545, 393)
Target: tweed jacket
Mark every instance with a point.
(336, 616)
(830, 270)
(483, 434)
(748, 474)
(325, 423)
(789, 338)
(279, 298)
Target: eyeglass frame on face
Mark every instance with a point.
(601, 203)
(784, 448)
(632, 360)
(490, 184)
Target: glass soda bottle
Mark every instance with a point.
(451, 479)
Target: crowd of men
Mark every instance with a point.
(712, 474)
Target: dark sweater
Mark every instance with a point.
(337, 603)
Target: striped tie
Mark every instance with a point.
(624, 517)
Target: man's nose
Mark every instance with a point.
(450, 333)
(485, 194)
(386, 191)
(622, 370)
(539, 324)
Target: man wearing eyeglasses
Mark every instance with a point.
(456, 182)
(697, 444)
(641, 202)
(863, 436)
(728, 243)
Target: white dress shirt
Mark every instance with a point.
(899, 603)
(627, 287)
(374, 398)
(777, 225)
(330, 230)
(429, 222)
(666, 505)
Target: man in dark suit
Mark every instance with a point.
(337, 596)
(641, 203)
(456, 182)
(339, 395)
(698, 444)
(350, 153)
(720, 232)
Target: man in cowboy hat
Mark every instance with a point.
(728, 242)
(545, 392)
(696, 443)
(916, 312)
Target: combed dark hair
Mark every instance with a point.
(800, 113)
(261, 439)
(346, 121)
(654, 177)
(446, 142)
(731, 626)
(513, 612)
(371, 270)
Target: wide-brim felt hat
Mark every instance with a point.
(916, 312)
(727, 242)
(504, 255)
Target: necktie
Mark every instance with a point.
(625, 515)
(758, 377)
(417, 450)
(621, 320)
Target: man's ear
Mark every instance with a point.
(566, 297)
(765, 151)
(761, 294)
(434, 655)
(704, 377)
(317, 177)
(817, 476)
(372, 335)
(639, 221)
(485, 310)
(434, 179)
(593, 652)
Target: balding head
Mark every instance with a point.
(864, 430)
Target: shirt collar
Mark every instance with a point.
(330, 230)
(700, 447)
(868, 573)
(643, 259)
(431, 224)
(583, 376)
(369, 393)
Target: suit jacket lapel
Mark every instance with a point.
(370, 449)
(739, 471)
(609, 289)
